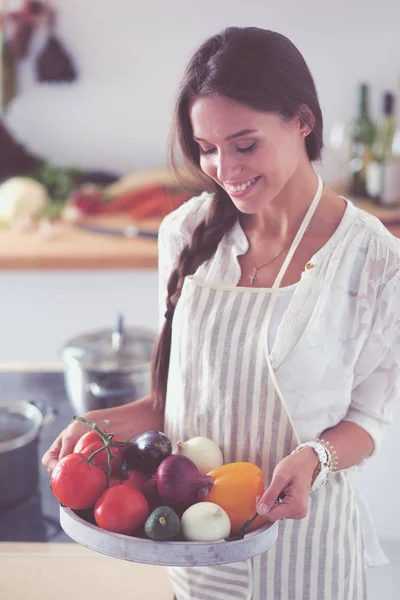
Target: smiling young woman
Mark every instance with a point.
(277, 293)
(280, 311)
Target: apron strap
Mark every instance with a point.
(274, 295)
(300, 234)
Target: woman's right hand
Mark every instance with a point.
(125, 421)
(64, 444)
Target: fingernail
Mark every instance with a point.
(263, 509)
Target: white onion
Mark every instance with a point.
(205, 453)
(205, 522)
(21, 197)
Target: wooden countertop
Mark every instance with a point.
(72, 248)
(68, 570)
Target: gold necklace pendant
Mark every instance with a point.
(253, 276)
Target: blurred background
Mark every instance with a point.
(129, 57)
(87, 91)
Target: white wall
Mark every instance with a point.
(41, 310)
(130, 56)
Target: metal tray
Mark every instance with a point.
(170, 554)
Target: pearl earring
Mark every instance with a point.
(304, 133)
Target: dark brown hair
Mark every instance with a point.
(254, 67)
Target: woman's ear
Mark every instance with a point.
(306, 119)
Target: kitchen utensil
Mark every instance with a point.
(130, 231)
(183, 554)
(247, 524)
(243, 529)
(20, 426)
(108, 367)
(54, 63)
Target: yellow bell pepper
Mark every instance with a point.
(236, 487)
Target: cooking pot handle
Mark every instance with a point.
(103, 393)
(49, 413)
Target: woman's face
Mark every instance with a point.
(251, 154)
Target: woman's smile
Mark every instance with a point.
(238, 190)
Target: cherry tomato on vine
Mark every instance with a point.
(76, 483)
(91, 441)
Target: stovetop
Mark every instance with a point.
(37, 518)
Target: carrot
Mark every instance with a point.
(130, 199)
(158, 205)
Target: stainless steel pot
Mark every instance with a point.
(20, 425)
(108, 367)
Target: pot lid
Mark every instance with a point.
(111, 350)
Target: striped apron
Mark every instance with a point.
(221, 385)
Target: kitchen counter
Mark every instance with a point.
(72, 248)
(65, 571)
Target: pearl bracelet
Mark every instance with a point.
(327, 459)
(333, 459)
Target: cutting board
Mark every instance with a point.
(72, 248)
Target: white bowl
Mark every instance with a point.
(171, 554)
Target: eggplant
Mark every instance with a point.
(146, 451)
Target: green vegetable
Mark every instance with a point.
(163, 524)
(52, 210)
(59, 182)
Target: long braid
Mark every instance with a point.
(205, 239)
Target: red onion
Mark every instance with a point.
(179, 481)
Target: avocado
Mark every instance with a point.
(163, 524)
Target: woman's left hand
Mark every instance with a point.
(292, 478)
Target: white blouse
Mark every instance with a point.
(336, 339)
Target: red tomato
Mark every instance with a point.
(137, 479)
(77, 484)
(101, 459)
(119, 480)
(146, 485)
(86, 439)
(90, 442)
(121, 509)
